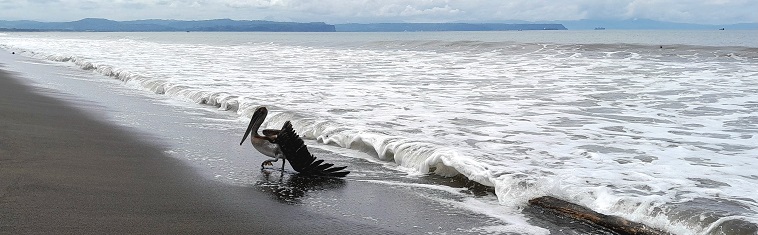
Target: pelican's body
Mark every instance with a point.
(266, 143)
(286, 144)
(266, 147)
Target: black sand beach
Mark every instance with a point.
(63, 171)
(66, 166)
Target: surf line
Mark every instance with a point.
(586, 215)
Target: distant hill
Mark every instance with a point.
(642, 24)
(412, 27)
(630, 24)
(104, 25)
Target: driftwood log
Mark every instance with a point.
(583, 214)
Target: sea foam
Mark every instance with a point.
(622, 129)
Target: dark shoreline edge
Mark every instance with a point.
(64, 171)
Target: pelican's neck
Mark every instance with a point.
(256, 124)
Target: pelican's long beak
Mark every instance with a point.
(249, 128)
(256, 120)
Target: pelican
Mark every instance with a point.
(266, 143)
(286, 144)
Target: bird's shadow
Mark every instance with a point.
(289, 188)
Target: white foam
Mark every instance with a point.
(626, 132)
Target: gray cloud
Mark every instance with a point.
(44, 1)
(340, 11)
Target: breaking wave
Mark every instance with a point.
(514, 186)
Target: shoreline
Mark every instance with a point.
(67, 172)
(231, 200)
(72, 173)
(230, 172)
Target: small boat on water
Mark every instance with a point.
(599, 28)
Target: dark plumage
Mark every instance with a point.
(296, 153)
(286, 144)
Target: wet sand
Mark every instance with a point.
(64, 171)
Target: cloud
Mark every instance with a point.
(43, 1)
(254, 4)
(712, 11)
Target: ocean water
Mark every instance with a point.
(660, 127)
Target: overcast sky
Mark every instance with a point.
(363, 11)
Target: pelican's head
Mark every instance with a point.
(260, 113)
(255, 122)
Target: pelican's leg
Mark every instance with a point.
(283, 161)
(269, 162)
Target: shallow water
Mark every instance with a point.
(655, 126)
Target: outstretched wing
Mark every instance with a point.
(300, 159)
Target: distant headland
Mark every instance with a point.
(218, 25)
(228, 25)
(412, 27)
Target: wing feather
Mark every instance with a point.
(297, 154)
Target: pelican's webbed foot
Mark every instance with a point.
(269, 162)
